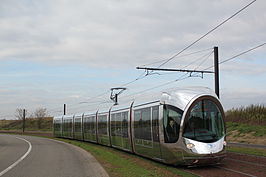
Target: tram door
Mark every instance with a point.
(155, 132)
(171, 127)
(119, 130)
(146, 132)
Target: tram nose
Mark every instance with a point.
(205, 148)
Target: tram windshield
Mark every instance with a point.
(204, 123)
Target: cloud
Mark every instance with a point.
(110, 38)
(245, 68)
(243, 97)
(105, 33)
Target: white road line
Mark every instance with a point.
(19, 160)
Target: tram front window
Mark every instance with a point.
(204, 123)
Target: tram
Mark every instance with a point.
(181, 126)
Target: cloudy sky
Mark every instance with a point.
(63, 51)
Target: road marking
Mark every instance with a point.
(19, 160)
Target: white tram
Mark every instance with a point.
(182, 126)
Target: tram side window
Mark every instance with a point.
(125, 124)
(70, 125)
(155, 123)
(137, 125)
(64, 125)
(172, 118)
(142, 123)
(67, 125)
(85, 124)
(113, 125)
(78, 125)
(92, 124)
(118, 128)
(102, 125)
(57, 125)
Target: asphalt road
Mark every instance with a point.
(26, 156)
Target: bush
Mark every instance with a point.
(253, 114)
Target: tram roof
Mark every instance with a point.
(179, 97)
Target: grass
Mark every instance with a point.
(121, 164)
(249, 151)
(255, 130)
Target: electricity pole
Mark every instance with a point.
(64, 109)
(23, 120)
(216, 71)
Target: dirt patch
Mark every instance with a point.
(249, 138)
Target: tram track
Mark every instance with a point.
(235, 171)
(234, 164)
(250, 163)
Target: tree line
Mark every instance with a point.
(39, 114)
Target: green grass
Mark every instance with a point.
(122, 164)
(255, 130)
(250, 151)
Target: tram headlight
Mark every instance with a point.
(225, 143)
(190, 145)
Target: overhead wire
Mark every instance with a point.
(242, 53)
(197, 59)
(204, 60)
(158, 86)
(213, 29)
(141, 76)
(180, 56)
(174, 56)
(235, 56)
(182, 77)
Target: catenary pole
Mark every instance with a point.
(216, 71)
(23, 120)
(64, 109)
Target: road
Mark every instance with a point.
(27, 156)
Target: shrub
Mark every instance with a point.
(253, 114)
